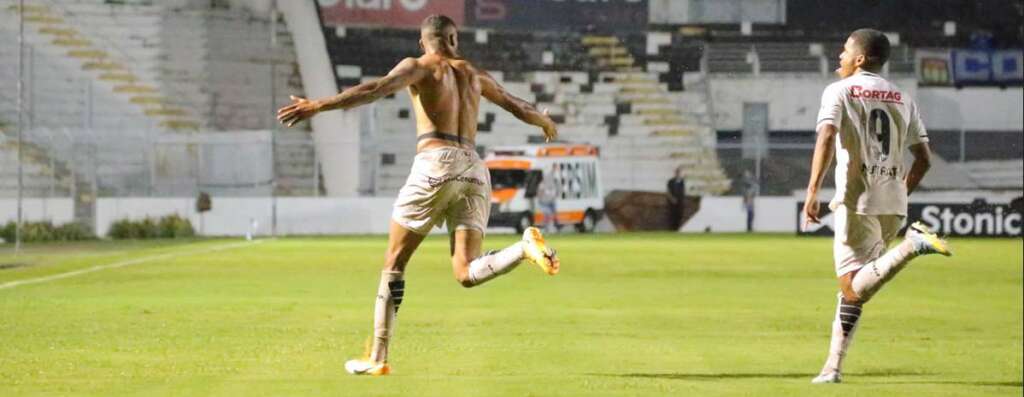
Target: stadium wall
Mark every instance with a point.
(779, 213)
(793, 103)
(56, 210)
(236, 216)
(726, 214)
(981, 108)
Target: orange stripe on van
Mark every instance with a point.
(508, 164)
(504, 195)
(553, 151)
(564, 217)
(570, 216)
(561, 151)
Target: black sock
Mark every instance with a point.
(849, 313)
(397, 292)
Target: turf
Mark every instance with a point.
(633, 314)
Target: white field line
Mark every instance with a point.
(136, 261)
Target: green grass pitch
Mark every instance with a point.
(630, 314)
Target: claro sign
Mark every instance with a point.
(593, 15)
(391, 13)
(975, 219)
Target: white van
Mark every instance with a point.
(514, 180)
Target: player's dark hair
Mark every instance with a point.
(436, 26)
(874, 45)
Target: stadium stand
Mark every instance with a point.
(121, 71)
(810, 42)
(156, 66)
(127, 72)
(920, 24)
(996, 174)
(43, 176)
(595, 87)
(783, 54)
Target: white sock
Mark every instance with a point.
(871, 277)
(843, 327)
(389, 299)
(495, 263)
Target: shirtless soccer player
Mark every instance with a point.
(448, 182)
(869, 123)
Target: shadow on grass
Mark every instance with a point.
(1017, 384)
(757, 375)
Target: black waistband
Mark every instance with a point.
(446, 136)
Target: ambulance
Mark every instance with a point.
(516, 173)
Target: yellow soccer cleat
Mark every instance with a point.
(367, 367)
(537, 251)
(925, 242)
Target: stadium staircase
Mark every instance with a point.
(120, 73)
(295, 166)
(996, 174)
(43, 176)
(654, 129)
(117, 49)
(610, 53)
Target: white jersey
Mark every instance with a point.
(877, 122)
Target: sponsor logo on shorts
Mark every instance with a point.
(435, 182)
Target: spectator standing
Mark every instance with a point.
(547, 197)
(751, 189)
(676, 195)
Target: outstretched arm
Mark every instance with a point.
(824, 150)
(523, 110)
(406, 73)
(922, 162)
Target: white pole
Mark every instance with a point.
(21, 111)
(963, 144)
(273, 120)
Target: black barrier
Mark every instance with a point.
(820, 229)
(583, 15)
(974, 219)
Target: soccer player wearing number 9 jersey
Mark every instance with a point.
(867, 123)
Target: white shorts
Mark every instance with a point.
(860, 239)
(446, 184)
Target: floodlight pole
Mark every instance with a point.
(21, 89)
(273, 119)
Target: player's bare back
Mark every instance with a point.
(446, 101)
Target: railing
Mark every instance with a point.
(785, 166)
(120, 54)
(152, 163)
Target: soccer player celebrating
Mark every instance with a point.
(448, 182)
(868, 122)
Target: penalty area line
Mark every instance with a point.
(130, 262)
